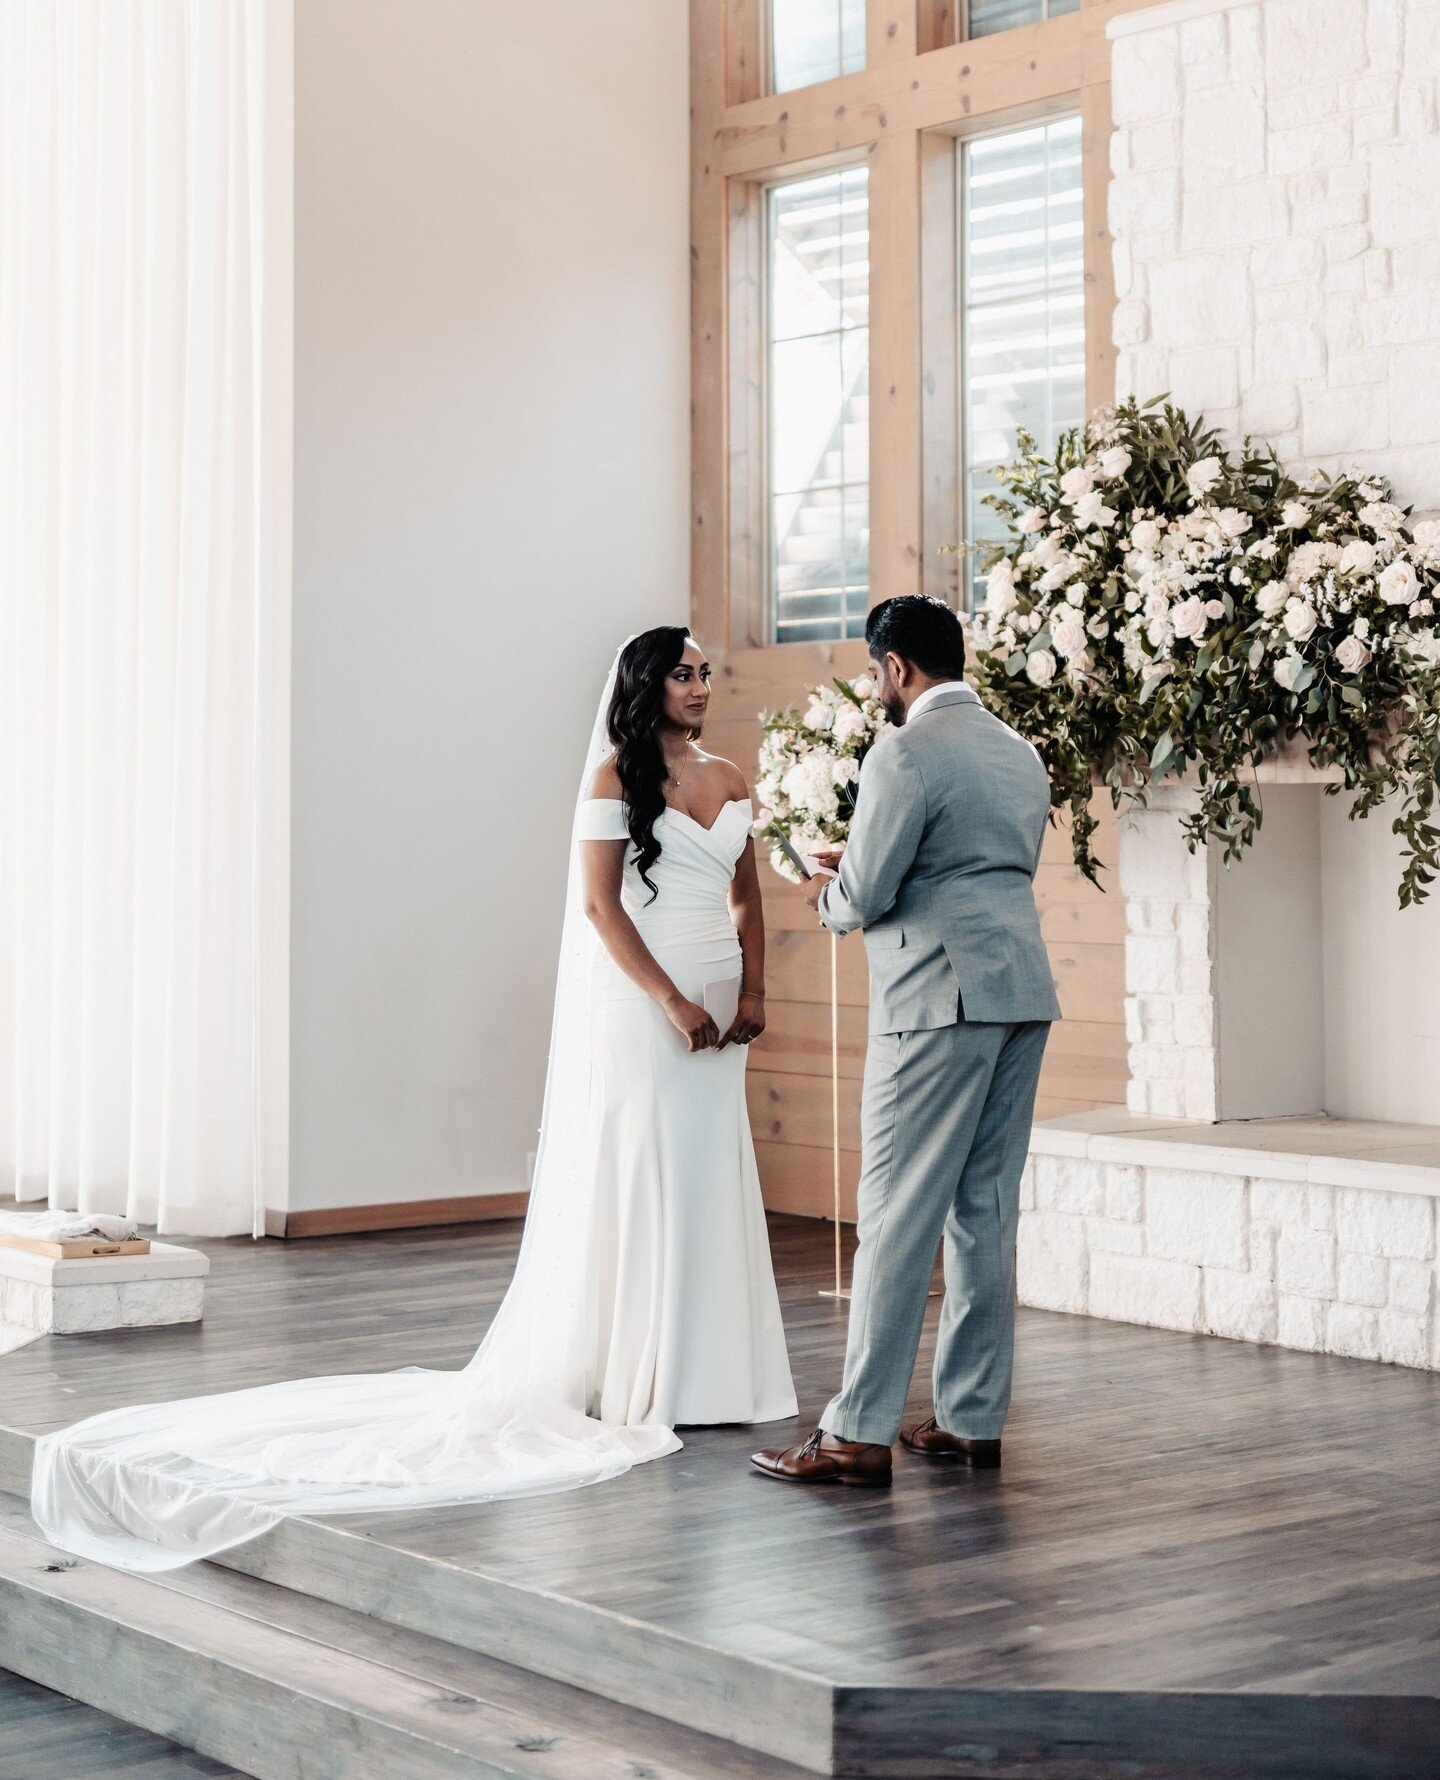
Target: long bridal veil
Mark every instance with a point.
(153, 1486)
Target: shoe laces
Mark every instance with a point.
(812, 1445)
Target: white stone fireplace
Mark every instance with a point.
(1275, 1177)
(1277, 1172)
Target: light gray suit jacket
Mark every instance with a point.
(938, 871)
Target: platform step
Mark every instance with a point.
(765, 1706)
(287, 1688)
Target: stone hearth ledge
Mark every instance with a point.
(1361, 1153)
(1306, 1232)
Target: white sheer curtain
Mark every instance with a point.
(144, 606)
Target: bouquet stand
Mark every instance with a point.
(839, 1289)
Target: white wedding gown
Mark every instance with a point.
(643, 1296)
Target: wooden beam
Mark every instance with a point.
(946, 89)
(890, 32)
(709, 541)
(744, 24)
(895, 562)
(748, 604)
(940, 511)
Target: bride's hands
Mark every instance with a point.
(749, 1020)
(693, 1024)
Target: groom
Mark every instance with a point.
(944, 845)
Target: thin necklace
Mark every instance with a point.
(673, 779)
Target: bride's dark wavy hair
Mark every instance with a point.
(633, 724)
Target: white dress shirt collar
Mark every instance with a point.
(931, 693)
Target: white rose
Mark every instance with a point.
(1427, 533)
(849, 723)
(1294, 514)
(1033, 520)
(1201, 477)
(818, 715)
(1057, 574)
(1114, 463)
(1351, 654)
(1000, 588)
(844, 772)
(1214, 608)
(1287, 671)
(1040, 667)
(1189, 618)
(1358, 557)
(1232, 522)
(864, 685)
(1399, 583)
(1099, 625)
(1090, 510)
(1067, 632)
(1271, 598)
(1075, 483)
(1382, 516)
(1042, 551)
(1266, 549)
(1299, 620)
(1145, 535)
(1424, 645)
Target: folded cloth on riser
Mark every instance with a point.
(66, 1226)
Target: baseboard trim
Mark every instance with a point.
(400, 1214)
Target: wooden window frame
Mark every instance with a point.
(900, 114)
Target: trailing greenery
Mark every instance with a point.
(1164, 605)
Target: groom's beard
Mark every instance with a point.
(895, 710)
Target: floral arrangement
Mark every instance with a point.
(1163, 604)
(810, 765)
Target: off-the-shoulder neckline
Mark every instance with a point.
(670, 810)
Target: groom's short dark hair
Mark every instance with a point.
(918, 629)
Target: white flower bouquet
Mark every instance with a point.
(810, 767)
(1165, 604)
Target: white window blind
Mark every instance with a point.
(818, 406)
(1022, 310)
(813, 40)
(989, 16)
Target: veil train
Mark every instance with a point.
(153, 1486)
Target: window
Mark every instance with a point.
(818, 278)
(1022, 308)
(987, 16)
(813, 40)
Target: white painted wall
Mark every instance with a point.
(491, 490)
(1276, 213)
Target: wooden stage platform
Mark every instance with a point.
(1200, 1558)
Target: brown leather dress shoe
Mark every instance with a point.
(932, 1442)
(825, 1458)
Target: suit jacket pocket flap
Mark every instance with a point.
(886, 938)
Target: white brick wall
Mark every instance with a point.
(1334, 1270)
(1169, 968)
(1276, 213)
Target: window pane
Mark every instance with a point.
(987, 16)
(818, 402)
(814, 40)
(1023, 307)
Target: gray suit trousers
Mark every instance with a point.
(946, 1120)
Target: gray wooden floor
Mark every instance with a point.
(44, 1736)
(1175, 1512)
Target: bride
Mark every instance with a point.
(643, 1297)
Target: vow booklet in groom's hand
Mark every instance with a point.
(721, 1000)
